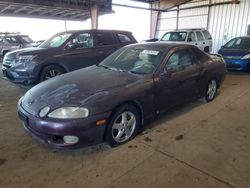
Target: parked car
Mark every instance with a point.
(112, 100)
(64, 52)
(37, 43)
(13, 41)
(237, 53)
(198, 37)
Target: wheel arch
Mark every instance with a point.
(49, 64)
(134, 104)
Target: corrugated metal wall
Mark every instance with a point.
(225, 21)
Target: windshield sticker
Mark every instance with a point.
(150, 52)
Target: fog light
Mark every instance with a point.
(70, 139)
(44, 111)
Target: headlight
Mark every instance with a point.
(246, 56)
(25, 58)
(69, 113)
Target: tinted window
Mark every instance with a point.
(200, 55)
(191, 37)
(199, 36)
(123, 38)
(180, 60)
(105, 38)
(174, 36)
(25, 39)
(83, 40)
(207, 35)
(11, 39)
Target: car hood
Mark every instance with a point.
(79, 88)
(29, 51)
(233, 52)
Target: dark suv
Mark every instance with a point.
(13, 41)
(64, 52)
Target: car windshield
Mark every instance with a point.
(174, 36)
(56, 41)
(239, 43)
(134, 60)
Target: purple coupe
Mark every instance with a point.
(111, 101)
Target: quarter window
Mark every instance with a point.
(105, 38)
(180, 60)
(207, 35)
(123, 38)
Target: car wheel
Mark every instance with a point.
(211, 90)
(206, 49)
(50, 72)
(123, 126)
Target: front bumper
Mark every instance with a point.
(18, 76)
(238, 64)
(49, 132)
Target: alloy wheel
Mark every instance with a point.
(123, 127)
(211, 91)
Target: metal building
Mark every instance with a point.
(224, 19)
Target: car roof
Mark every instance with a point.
(185, 30)
(93, 30)
(160, 45)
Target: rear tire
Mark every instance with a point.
(206, 49)
(211, 91)
(50, 72)
(123, 125)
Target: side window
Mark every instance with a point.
(191, 37)
(179, 60)
(207, 35)
(199, 36)
(104, 38)
(200, 55)
(83, 40)
(123, 38)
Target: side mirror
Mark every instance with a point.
(189, 40)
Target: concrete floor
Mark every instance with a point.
(198, 145)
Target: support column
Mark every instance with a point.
(94, 16)
(177, 17)
(153, 22)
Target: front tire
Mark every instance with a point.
(211, 91)
(50, 72)
(123, 125)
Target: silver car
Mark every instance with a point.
(13, 41)
(197, 37)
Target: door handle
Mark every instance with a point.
(204, 43)
(196, 44)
